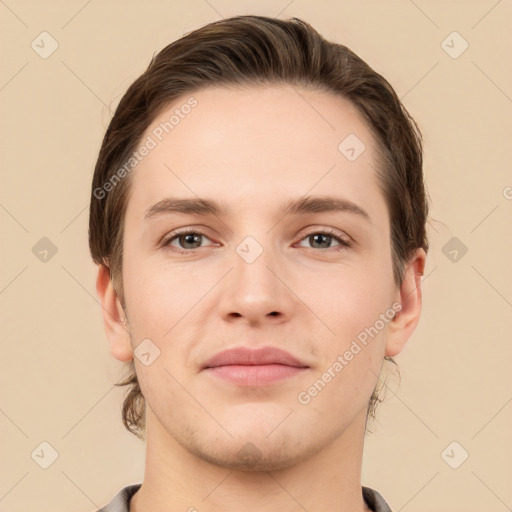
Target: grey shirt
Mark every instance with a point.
(121, 501)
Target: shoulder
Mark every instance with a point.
(121, 501)
(375, 500)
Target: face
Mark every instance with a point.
(257, 273)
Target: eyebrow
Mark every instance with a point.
(302, 206)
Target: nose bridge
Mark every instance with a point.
(253, 261)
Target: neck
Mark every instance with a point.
(176, 479)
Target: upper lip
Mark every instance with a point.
(253, 357)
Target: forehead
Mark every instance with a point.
(257, 143)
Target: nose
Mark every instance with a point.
(256, 290)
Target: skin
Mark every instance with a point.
(253, 149)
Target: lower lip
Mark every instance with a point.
(255, 375)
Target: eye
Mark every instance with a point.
(324, 238)
(188, 240)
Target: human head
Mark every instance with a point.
(256, 51)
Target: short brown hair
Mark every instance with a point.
(256, 50)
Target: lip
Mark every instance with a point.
(252, 357)
(254, 367)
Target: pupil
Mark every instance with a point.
(189, 238)
(319, 236)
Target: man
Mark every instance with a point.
(258, 220)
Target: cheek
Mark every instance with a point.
(354, 300)
(155, 294)
(350, 360)
(355, 309)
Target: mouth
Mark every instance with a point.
(249, 367)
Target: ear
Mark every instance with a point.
(401, 327)
(114, 318)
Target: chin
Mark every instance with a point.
(253, 453)
(249, 458)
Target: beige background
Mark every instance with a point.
(56, 372)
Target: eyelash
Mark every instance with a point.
(343, 243)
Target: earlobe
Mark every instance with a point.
(114, 319)
(401, 327)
